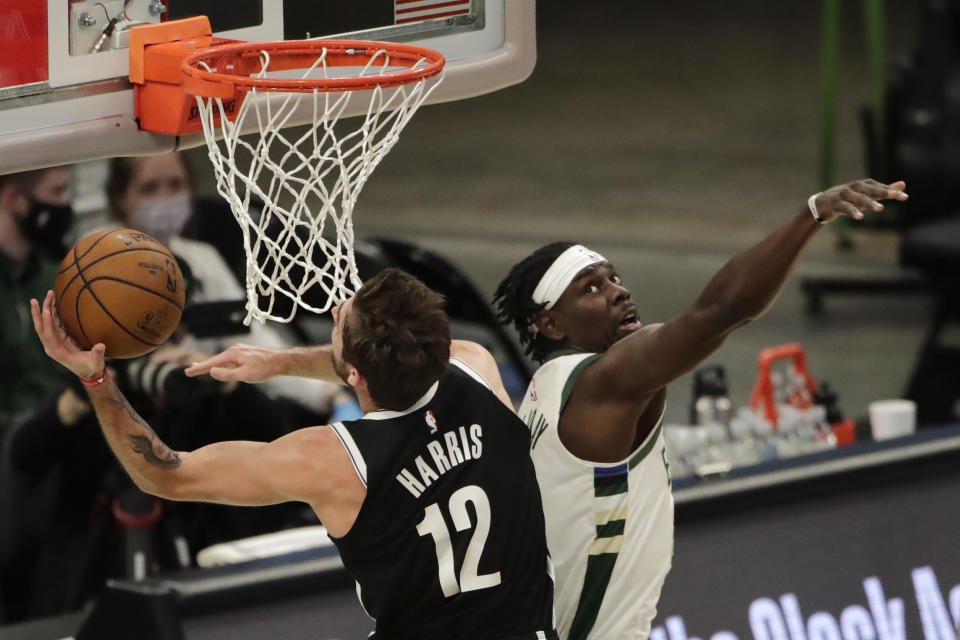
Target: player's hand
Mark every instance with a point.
(58, 345)
(241, 362)
(856, 197)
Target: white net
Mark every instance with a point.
(294, 197)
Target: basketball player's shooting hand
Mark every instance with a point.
(241, 362)
(59, 346)
(856, 197)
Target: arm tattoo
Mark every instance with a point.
(160, 455)
(147, 443)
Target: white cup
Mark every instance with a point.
(892, 418)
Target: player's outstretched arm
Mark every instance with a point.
(235, 472)
(740, 292)
(298, 466)
(247, 363)
(294, 467)
(621, 383)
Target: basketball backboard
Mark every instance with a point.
(65, 95)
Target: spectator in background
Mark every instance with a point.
(35, 215)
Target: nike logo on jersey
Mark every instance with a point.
(455, 448)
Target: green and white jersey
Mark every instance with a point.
(609, 525)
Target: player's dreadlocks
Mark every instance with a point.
(514, 298)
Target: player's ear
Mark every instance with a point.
(547, 325)
(356, 380)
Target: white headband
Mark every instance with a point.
(562, 272)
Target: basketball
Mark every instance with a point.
(122, 288)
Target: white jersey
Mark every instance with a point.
(609, 525)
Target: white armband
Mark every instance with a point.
(812, 205)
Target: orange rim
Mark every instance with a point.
(301, 54)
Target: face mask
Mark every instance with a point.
(45, 225)
(162, 218)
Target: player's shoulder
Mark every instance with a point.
(474, 360)
(471, 353)
(561, 362)
(316, 443)
(314, 436)
(603, 376)
(327, 452)
(559, 372)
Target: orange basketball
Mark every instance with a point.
(122, 288)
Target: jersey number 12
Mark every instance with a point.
(433, 525)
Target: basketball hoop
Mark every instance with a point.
(293, 198)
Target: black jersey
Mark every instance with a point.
(449, 542)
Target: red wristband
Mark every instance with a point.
(96, 382)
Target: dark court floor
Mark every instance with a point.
(667, 136)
